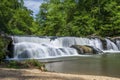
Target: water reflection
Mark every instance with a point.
(105, 64)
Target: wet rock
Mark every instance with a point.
(116, 40)
(9, 50)
(24, 54)
(85, 49)
(104, 43)
(7, 47)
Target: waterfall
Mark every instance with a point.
(64, 41)
(96, 43)
(111, 45)
(35, 50)
(18, 39)
(118, 44)
(69, 41)
(50, 47)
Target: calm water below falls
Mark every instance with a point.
(105, 64)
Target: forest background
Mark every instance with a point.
(61, 18)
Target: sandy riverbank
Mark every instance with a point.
(35, 74)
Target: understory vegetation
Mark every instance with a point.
(26, 64)
(2, 48)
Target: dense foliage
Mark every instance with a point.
(62, 18)
(15, 18)
(79, 17)
(2, 49)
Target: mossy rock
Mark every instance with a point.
(85, 49)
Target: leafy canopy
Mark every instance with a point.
(79, 17)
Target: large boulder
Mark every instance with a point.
(85, 49)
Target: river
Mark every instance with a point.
(104, 64)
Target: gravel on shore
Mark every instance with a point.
(35, 74)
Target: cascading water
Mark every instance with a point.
(111, 45)
(47, 47)
(96, 43)
(118, 44)
(33, 50)
(69, 41)
(18, 39)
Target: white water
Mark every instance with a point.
(34, 50)
(18, 39)
(69, 41)
(38, 48)
(96, 43)
(118, 44)
(111, 45)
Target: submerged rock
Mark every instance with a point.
(85, 49)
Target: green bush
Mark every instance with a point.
(13, 64)
(33, 63)
(2, 49)
(26, 64)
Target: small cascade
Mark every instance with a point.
(82, 41)
(118, 44)
(96, 43)
(50, 47)
(69, 41)
(18, 39)
(111, 45)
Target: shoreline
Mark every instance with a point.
(36, 74)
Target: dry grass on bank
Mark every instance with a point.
(35, 74)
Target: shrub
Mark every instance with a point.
(33, 63)
(27, 64)
(13, 64)
(2, 49)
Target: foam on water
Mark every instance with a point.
(46, 47)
